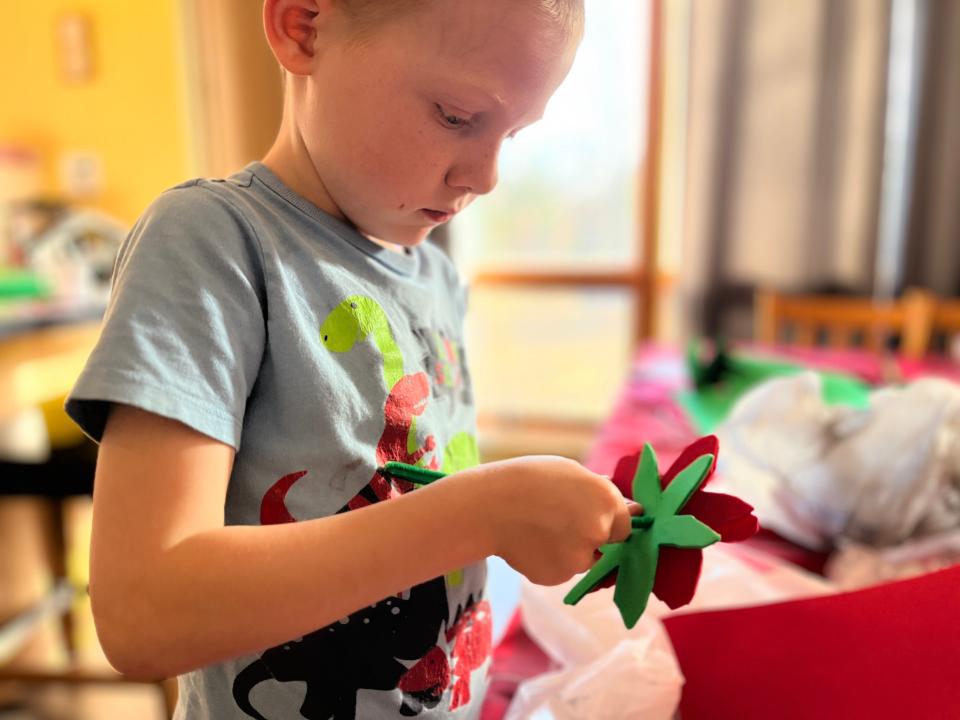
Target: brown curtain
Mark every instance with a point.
(786, 147)
(933, 250)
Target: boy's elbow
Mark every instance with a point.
(123, 636)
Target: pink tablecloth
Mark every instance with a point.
(645, 411)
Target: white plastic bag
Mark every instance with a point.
(819, 474)
(638, 678)
(608, 671)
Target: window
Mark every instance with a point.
(553, 255)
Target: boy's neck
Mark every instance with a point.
(286, 163)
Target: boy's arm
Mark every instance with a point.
(173, 589)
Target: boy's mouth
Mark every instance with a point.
(436, 216)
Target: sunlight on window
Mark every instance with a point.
(548, 353)
(568, 185)
(567, 200)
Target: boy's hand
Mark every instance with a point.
(549, 514)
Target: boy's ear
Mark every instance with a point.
(292, 28)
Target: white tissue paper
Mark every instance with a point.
(823, 475)
(609, 672)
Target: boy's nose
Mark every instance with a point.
(476, 174)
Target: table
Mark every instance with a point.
(645, 411)
(37, 366)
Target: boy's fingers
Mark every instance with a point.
(620, 528)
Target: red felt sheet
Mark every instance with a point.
(890, 651)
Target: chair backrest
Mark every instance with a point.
(845, 322)
(946, 317)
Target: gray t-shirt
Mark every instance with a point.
(242, 310)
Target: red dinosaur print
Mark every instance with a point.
(407, 399)
(423, 684)
(471, 638)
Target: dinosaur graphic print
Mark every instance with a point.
(444, 360)
(408, 641)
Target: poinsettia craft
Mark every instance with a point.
(664, 552)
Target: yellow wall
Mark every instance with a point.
(131, 112)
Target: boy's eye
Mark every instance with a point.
(450, 120)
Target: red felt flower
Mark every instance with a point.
(678, 569)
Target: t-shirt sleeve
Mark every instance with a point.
(184, 332)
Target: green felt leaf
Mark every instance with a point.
(612, 557)
(684, 531)
(412, 473)
(635, 559)
(637, 573)
(16, 283)
(839, 389)
(708, 405)
(646, 481)
(683, 486)
(696, 368)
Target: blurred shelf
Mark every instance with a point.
(37, 366)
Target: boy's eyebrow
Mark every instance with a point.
(477, 91)
(468, 92)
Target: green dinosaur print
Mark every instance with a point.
(352, 321)
(461, 453)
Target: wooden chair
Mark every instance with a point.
(846, 322)
(73, 670)
(46, 630)
(946, 318)
(76, 677)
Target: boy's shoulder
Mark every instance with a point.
(239, 180)
(194, 218)
(250, 199)
(252, 208)
(200, 191)
(205, 207)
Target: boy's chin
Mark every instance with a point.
(399, 237)
(410, 237)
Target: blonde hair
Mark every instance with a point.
(367, 15)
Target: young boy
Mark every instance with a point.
(275, 337)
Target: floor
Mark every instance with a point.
(128, 702)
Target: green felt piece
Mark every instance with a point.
(611, 557)
(635, 559)
(411, 473)
(704, 411)
(638, 570)
(683, 486)
(684, 531)
(641, 521)
(762, 368)
(16, 283)
(719, 386)
(838, 389)
(698, 370)
(646, 481)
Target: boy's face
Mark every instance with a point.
(404, 129)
